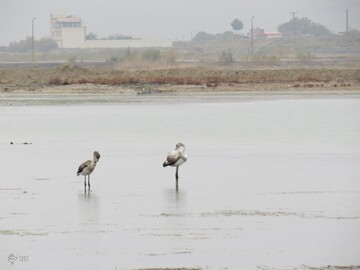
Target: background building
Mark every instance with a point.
(62, 23)
(69, 33)
(260, 33)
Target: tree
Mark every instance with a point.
(237, 25)
(45, 44)
(303, 26)
(151, 55)
(226, 57)
(228, 35)
(203, 36)
(22, 45)
(91, 36)
(42, 45)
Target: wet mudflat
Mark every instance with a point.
(270, 183)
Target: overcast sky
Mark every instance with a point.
(170, 19)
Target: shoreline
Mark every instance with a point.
(78, 85)
(119, 95)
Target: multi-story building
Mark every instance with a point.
(69, 32)
(60, 24)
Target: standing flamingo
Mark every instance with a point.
(175, 158)
(87, 167)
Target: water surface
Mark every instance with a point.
(270, 182)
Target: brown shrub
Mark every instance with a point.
(55, 81)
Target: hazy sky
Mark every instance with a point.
(170, 19)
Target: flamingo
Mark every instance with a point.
(175, 158)
(87, 167)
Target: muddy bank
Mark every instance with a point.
(79, 79)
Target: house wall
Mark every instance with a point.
(72, 37)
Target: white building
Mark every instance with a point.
(59, 23)
(69, 33)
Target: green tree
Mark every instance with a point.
(151, 55)
(237, 25)
(226, 57)
(91, 36)
(45, 44)
(203, 36)
(21, 46)
(42, 45)
(228, 35)
(303, 26)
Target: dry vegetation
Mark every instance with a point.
(13, 79)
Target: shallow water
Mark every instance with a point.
(270, 183)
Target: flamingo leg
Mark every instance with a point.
(177, 175)
(85, 183)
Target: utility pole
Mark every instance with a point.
(252, 38)
(294, 26)
(347, 21)
(32, 39)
